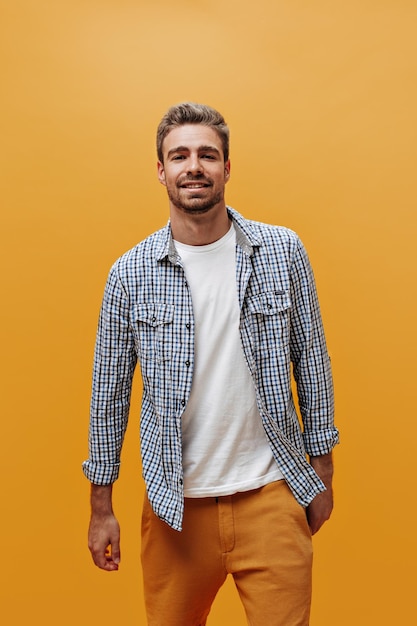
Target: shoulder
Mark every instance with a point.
(261, 229)
(266, 235)
(144, 254)
(274, 233)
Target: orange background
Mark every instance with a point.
(321, 99)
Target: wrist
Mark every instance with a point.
(101, 500)
(323, 466)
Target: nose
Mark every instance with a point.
(194, 165)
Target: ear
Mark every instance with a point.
(227, 170)
(161, 173)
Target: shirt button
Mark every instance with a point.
(180, 481)
(154, 319)
(188, 326)
(269, 305)
(187, 363)
(182, 402)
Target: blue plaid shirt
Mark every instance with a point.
(147, 316)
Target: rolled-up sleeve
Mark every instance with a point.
(114, 365)
(311, 362)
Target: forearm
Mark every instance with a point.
(101, 500)
(104, 532)
(323, 466)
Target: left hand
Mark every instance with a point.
(320, 509)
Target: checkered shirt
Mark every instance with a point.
(147, 317)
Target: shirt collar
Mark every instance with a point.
(245, 238)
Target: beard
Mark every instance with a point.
(203, 201)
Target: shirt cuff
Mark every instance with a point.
(320, 442)
(100, 474)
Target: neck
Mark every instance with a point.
(199, 230)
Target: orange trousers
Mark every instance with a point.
(260, 537)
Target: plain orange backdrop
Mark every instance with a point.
(321, 99)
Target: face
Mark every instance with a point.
(194, 171)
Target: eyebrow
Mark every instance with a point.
(187, 149)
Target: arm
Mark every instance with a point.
(320, 509)
(114, 365)
(104, 532)
(313, 376)
(310, 359)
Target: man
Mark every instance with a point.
(215, 308)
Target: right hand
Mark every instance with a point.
(104, 541)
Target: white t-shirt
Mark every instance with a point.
(225, 449)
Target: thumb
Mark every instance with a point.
(115, 550)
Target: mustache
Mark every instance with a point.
(189, 178)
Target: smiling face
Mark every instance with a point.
(193, 170)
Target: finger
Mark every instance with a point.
(313, 521)
(106, 562)
(115, 551)
(103, 560)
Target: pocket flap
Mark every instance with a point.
(153, 313)
(269, 302)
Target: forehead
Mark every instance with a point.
(192, 136)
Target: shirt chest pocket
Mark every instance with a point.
(152, 325)
(270, 320)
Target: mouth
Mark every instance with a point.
(192, 187)
(194, 184)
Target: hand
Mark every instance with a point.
(104, 541)
(319, 510)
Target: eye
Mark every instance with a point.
(178, 157)
(210, 157)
